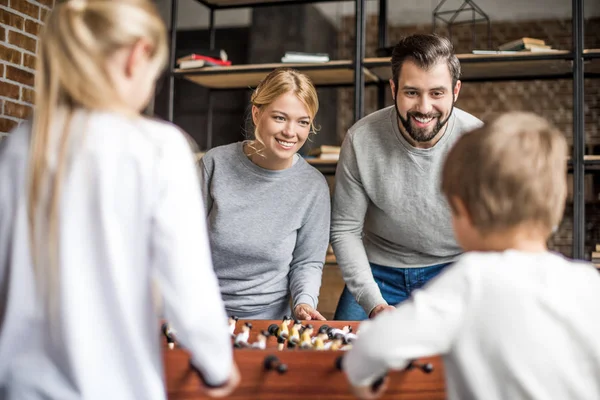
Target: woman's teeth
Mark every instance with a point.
(285, 144)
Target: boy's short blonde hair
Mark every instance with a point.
(509, 172)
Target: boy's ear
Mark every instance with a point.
(459, 208)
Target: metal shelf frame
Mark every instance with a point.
(577, 163)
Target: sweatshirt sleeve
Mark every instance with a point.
(350, 204)
(183, 266)
(306, 268)
(423, 326)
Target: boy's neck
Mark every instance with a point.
(523, 239)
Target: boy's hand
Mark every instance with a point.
(379, 309)
(370, 392)
(306, 312)
(229, 387)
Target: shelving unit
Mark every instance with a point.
(334, 73)
(575, 64)
(360, 72)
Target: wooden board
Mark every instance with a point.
(473, 68)
(248, 76)
(240, 3)
(311, 374)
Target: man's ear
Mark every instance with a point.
(456, 90)
(139, 51)
(393, 88)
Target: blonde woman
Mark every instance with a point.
(267, 209)
(97, 202)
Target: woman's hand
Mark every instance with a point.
(306, 312)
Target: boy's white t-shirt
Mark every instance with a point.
(510, 325)
(131, 213)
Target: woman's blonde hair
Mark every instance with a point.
(72, 72)
(279, 82)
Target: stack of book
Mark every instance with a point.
(204, 58)
(299, 57)
(524, 44)
(325, 152)
(596, 257)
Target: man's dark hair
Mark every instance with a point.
(425, 50)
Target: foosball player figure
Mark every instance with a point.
(294, 338)
(337, 342)
(232, 321)
(283, 332)
(306, 337)
(319, 343)
(351, 337)
(345, 331)
(261, 340)
(169, 335)
(241, 339)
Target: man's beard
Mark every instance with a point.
(422, 135)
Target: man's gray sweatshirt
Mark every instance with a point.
(388, 208)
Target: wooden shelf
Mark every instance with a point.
(248, 76)
(250, 3)
(341, 72)
(503, 66)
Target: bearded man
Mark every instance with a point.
(391, 227)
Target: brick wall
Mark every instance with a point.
(551, 98)
(20, 24)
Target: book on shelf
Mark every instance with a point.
(218, 54)
(201, 61)
(524, 43)
(324, 149)
(300, 57)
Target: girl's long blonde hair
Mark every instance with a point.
(76, 43)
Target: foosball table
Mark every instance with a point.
(276, 362)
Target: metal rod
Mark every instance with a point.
(578, 133)
(252, 3)
(209, 121)
(172, 51)
(381, 89)
(382, 23)
(211, 29)
(359, 55)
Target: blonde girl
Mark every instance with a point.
(97, 202)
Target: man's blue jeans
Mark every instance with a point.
(396, 285)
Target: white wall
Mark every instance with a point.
(193, 15)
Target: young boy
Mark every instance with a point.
(511, 319)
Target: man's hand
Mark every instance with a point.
(367, 392)
(304, 311)
(229, 387)
(379, 309)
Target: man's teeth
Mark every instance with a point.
(285, 144)
(423, 120)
